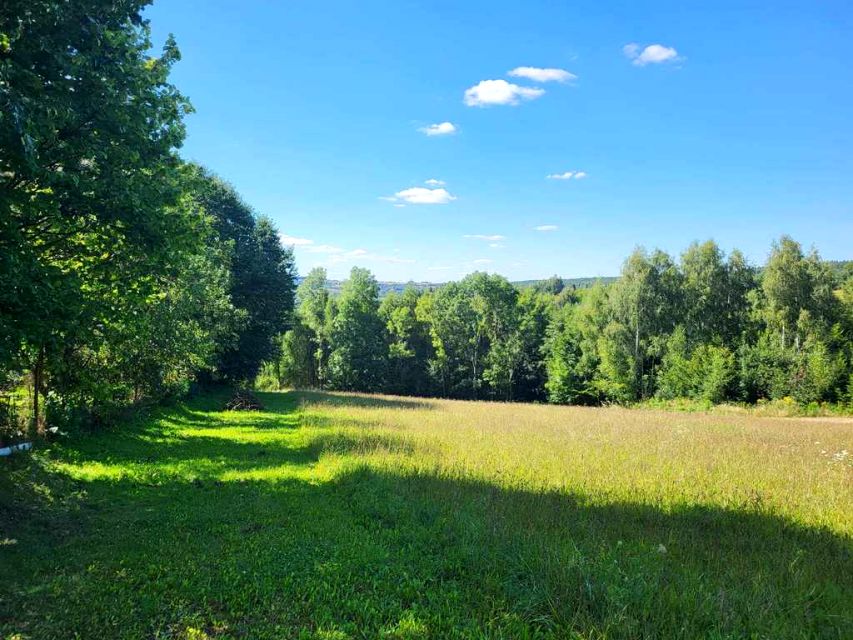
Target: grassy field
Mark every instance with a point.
(335, 516)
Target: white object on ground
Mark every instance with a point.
(23, 446)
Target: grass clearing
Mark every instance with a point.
(346, 516)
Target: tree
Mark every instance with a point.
(647, 301)
(409, 348)
(316, 312)
(533, 316)
(571, 349)
(792, 284)
(295, 365)
(714, 292)
(358, 359)
(263, 286)
(705, 374)
(262, 276)
(553, 285)
(457, 339)
(89, 177)
(494, 301)
(153, 350)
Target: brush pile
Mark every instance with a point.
(244, 400)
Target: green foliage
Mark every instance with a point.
(98, 243)
(572, 350)
(123, 272)
(707, 330)
(457, 339)
(715, 292)
(297, 359)
(316, 311)
(705, 374)
(261, 281)
(409, 348)
(358, 359)
(647, 304)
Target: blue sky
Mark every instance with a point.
(732, 122)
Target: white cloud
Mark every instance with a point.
(421, 195)
(400, 206)
(293, 241)
(375, 257)
(363, 255)
(394, 260)
(323, 248)
(631, 50)
(483, 261)
(542, 75)
(489, 92)
(652, 54)
(439, 268)
(337, 255)
(568, 175)
(432, 182)
(439, 129)
(546, 227)
(490, 238)
(496, 245)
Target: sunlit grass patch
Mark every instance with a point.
(351, 516)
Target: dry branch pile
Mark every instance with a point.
(244, 400)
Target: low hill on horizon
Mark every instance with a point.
(841, 269)
(388, 286)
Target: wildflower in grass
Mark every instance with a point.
(661, 549)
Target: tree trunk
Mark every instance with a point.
(38, 373)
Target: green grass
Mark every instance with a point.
(346, 516)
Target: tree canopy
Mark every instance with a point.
(123, 271)
(709, 327)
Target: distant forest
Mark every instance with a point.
(706, 326)
(838, 267)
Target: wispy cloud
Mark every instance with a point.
(538, 74)
(337, 255)
(363, 255)
(496, 245)
(482, 261)
(293, 241)
(652, 54)
(323, 248)
(439, 129)
(496, 92)
(546, 227)
(489, 238)
(421, 195)
(432, 182)
(568, 175)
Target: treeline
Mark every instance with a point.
(125, 273)
(708, 326)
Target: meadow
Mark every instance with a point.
(333, 516)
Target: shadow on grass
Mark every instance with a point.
(375, 552)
